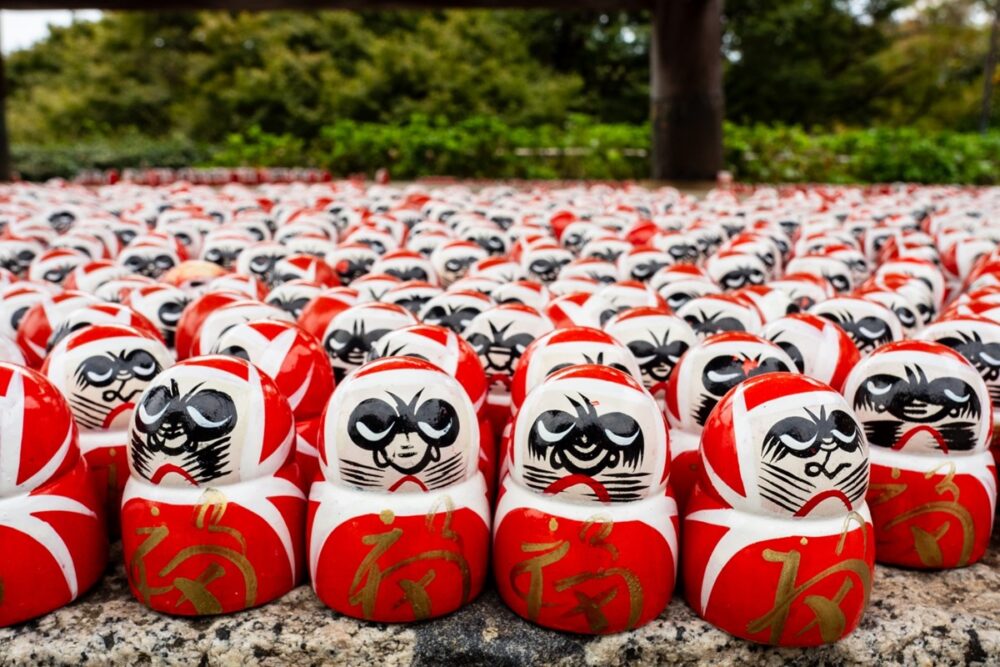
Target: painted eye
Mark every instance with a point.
(372, 424)
(720, 377)
(212, 412)
(371, 435)
(17, 316)
(553, 426)
(872, 332)
(990, 359)
(620, 429)
(957, 398)
(170, 313)
(438, 422)
(203, 420)
(98, 377)
(877, 389)
(338, 340)
(236, 351)
(843, 437)
(643, 350)
(152, 408)
(97, 371)
(143, 365)
(260, 264)
(792, 443)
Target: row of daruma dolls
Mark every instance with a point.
(595, 470)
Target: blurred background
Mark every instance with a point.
(816, 90)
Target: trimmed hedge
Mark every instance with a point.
(39, 163)
(486, 147)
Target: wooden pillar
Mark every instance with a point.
(686, 89)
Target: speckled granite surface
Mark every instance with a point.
(915, 618)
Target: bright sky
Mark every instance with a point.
(21, 29)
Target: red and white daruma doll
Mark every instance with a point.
(51, 520)
(978, 340)
(585, 533)
(702, 376)
(500, 336)
(819, 347)
(102, 370)
(778, 544)
(213, 513)
(455, 356)
(927, 415)
(45, 317)
(301, 370)
(399, 526)
(656, 339)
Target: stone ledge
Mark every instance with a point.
(950, 617)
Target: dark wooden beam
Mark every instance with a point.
(262, 5)
(686, 89)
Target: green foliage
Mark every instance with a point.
(487, 147)
(481, 146)
(294, 75)
(41, 162)
(789, 154)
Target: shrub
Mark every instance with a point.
(487, 147)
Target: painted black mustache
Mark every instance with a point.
(586, 443)
(957, 436)
(374, 424)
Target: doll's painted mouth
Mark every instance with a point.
(407, 479)
(914, 432)
(564, 483)
(815, 501)
(171, 468)
(117, 411)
